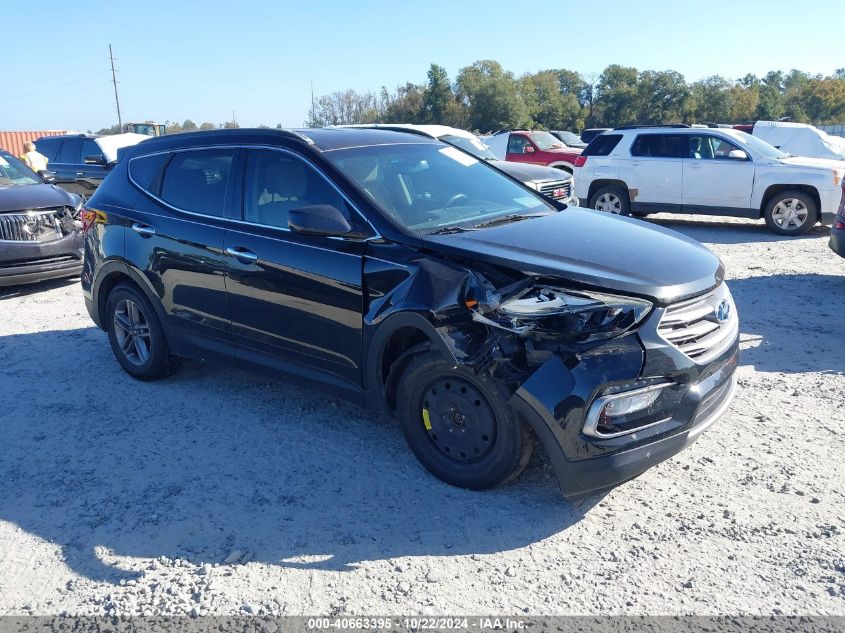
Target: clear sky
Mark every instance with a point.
(201, 60)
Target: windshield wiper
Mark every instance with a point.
(446, 230)
(507, 219)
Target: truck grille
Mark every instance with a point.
(702, 328)
(557, 189)
(32, 226)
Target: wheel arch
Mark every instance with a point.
(606, 182)
(396, 340)
(773, 190)
(563, 166)
(115, 272)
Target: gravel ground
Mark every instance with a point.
(220, 492)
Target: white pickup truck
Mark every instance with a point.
(713, 171)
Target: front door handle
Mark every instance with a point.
(242, 254)
(694, 166)
(143, 229)
(80, 173)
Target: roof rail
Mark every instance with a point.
(638, 127)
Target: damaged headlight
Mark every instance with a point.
(584, 314)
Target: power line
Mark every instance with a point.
(28, 101)
(66, 72)
(50, 88)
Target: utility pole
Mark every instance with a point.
(313, 109)
(234, 120)
(116, 100)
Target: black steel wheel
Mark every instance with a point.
(459, 424)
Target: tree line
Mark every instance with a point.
(485, 97)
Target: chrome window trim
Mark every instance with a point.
(376, 234)
(591, 422)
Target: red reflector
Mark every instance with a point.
(87, 217)
(581, 161)
(839, 225)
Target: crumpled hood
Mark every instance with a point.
(594, 249)
(26, 197)
(526, 171)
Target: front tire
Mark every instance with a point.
(791, 213)
(459, 425)
(611, 199)
(136, 336)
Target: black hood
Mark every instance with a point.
(594, 249)
(526, 172)
(25, 197)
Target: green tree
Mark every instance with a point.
(616, 98)
(548, 106)
(207, 126)
(492, 97)
(712, 100)
(437, 96)
(662, 97)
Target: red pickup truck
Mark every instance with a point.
(537, 148)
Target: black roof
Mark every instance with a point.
(321, 139)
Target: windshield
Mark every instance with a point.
(545, 141)
(760, 146)
(471, 145)
(570, 138)
(427, 186)
(14, 172)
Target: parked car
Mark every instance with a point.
(570, 139)
(406, 275)
(40, 234)
(536, 148)
(81, 161)
(551, 182)
(589, 134)
(798, 139)
(837, 231)
(714, 171)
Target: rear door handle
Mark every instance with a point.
(80, 173)
(143, 229)
(694, 166)
(242, 254)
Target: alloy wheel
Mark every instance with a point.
(790, 213)
(609, 202)
(132, 332)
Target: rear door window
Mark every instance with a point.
(659, 146)
(69, 152)
(517, 144)
(145, 171)
(197, 181)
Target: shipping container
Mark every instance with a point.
(13, 142)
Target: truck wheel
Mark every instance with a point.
(791, 213)
(611, 199)
(459, 425)
(136, 336)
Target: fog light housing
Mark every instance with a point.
(607, 416)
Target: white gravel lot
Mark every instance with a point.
(220, 492)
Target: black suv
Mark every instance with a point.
(406, 275)
(77, 160)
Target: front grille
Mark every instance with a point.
(695, 327)
(40, 261)
(32, 226)
(557, 189)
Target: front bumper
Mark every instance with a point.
(556, 398)
(30, 262)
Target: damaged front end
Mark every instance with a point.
(574, 360)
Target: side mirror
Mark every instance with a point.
(96, 159)
(319, 219)
(527, 150)
(48, 176)
(737, 154)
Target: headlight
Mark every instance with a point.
(571, 312)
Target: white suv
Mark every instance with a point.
(715, 171)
